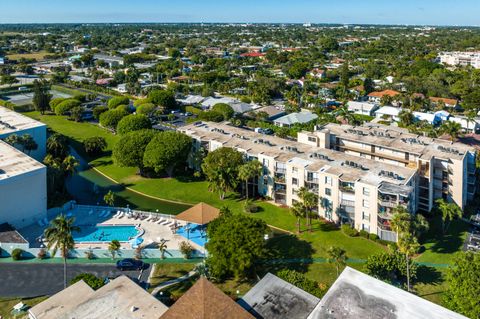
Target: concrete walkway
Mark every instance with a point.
(166, 284)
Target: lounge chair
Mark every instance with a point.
(149, 218)
(170, 223)
(121, 215)
(161, 221)
(166, 221)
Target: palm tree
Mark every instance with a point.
(248, 171)
(57, 145)
(449, 212)
(420, 225)
(298, 210)
(69, 165)
(408, 245)
(28, 143)
(13, 139)
(310, 201)
(109, 198)
(162, 246)
(114, 247)
(346, 115)
(401, 221)
(337, 256)
(452, 129)
(59, 237)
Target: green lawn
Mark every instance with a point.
(6, 304)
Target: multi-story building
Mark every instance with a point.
(14, 123)
(461, 59)
(360, 174)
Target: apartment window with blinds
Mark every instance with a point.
(365, 216)
(328, 180)
(366, 203)
(328, 191)
(312, 139)
(366, 191)
(294, 181)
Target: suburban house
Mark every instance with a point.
(450, 103)
(388, 113)
(112, 61)
(318, 73)
(363, 108)
(237, 105)
(431, 118)
(376, 97)
(468, 125)
(291, 119)
(272, 112)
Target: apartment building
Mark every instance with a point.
(351, 189)
(461, 59)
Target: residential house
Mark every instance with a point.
(450, 103)
(376, 97)
(362, 108)
(468, 125)
(388, 113)
(291, 119)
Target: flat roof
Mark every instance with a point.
(11, 121)
(13, 162)
(357, 295)
(273, 297)
(314, 159)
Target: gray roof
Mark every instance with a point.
(359, 296)
(293, 118)
(275, 298)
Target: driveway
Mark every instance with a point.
(31, 280)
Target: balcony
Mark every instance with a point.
(312, 180)
(280, 170)
(346, 189)
(280, 191)
(279, 179)
(388, 203)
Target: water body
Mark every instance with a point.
(88, 187)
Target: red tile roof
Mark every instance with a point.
(252, 55)
(380, 94)
(444, 100)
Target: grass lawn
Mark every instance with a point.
(6, 304)
(35, 55)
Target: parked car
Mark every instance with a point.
(130, 264)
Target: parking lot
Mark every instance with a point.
(31, 280)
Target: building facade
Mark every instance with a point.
(359, 174)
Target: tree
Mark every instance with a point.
(224, 109)
(76, 114)
(114, 247)
(94, 145)
(337, 256)
(221, 169)
(163, 98)
(310, 201)
(28, 143)
(110, 119)
(109, 198)
(66, 105)
(7, 79)
(346, 115)
(463, 285)
(401, 221)
(406, 118)
(98, 110)
(368, 85)
(249, 171)
(69, 166)
(408, 245)
(13, 140)
(118, 100)
(235, 243)
(328, 44)
(54, 102)
(298, 210)
(133, 122)
(130, 149)
(448, 211)
(166, 151)
(390, 267)
(452, 129)
(345, 76)
(93, 281)
(303, 282)
(41, 95)
(57, 145)
(58, 236)
(162, 246)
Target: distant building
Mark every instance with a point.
(112, 61)
(272, 112)
(388, 113)
(451, 103)
(468, 125)
(376, 97)
(461, 59)
(362, 108)
(291, 119)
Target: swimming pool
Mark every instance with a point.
(105, 233)
(197, 234)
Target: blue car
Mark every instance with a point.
(130, 264)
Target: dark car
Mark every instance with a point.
(130, 264)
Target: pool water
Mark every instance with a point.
(102, 234)
(197, 234)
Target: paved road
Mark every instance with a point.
(31, 280)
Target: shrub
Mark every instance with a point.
(364, 234)
(133, 122)
(163, 98)
(373, 237)
(17, 254)
(42, 253)
(93, 281)
(118, 100)
(111, 118)
(123, 107)
(139, 102)
(193, 110)
(146, 109)
(224, 109)
(80, 97)
(301, 281)
(250, 206)
(98, 110)
(186, 249)
(94, 145)
(54, 102)
(89, 254)
(76, 114)
(65, 106)
(349, 231)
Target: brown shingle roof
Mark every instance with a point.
(200, 214)
(205, 301)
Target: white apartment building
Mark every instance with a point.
(14, 123)
(23, 188)
(360, 174)
(461, 59)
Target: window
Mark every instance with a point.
(294, 170)
(366, 216)
(366, 227)
(366, 203)
(265, 162)
(328, 180)
(366, 191)
(294, 181)
(328, 191)
(312, 139)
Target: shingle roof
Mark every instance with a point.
(200, 214)
(205, 301)
(293, 118)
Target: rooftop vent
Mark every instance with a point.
(390, 174)
(354, 165)
(412, 140)
(292, 149)
(449, 150)
(320, 156)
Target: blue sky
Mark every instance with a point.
(439, 12)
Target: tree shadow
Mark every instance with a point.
(448, 243)
(287, 252)
(428, 275)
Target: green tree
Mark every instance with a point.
(401, 221)
(448, 211)
(162, 246)
(66, 105)
(111, 118)
(57, 145)
(13, 140)
(390, 267)
(93, 281)
(167, 151)
(224, 109)
(69, 165)
(113, 247)
(133, 122)
(310, 202)
(221, 169)
(58, 236)
(98, 110)
(249, 171)
(118, 100)
(94, 145)
(338, 257)
(463, 285)
(298, 210)
(76, 114)
(146, 109)
(109, 198)
(408, 245)
(345, 76)
(235, 243)
(130, 149)
(41, 95)
(28, 143)
(7, 79)
(163, 98)
(303, 282)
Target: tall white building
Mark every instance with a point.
(15, 123)
(461, 59)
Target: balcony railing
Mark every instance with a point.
(279, 179)
(280, 170)
(347, 189)
(312, 180)
(388, 203)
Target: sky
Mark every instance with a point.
(422, 12)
